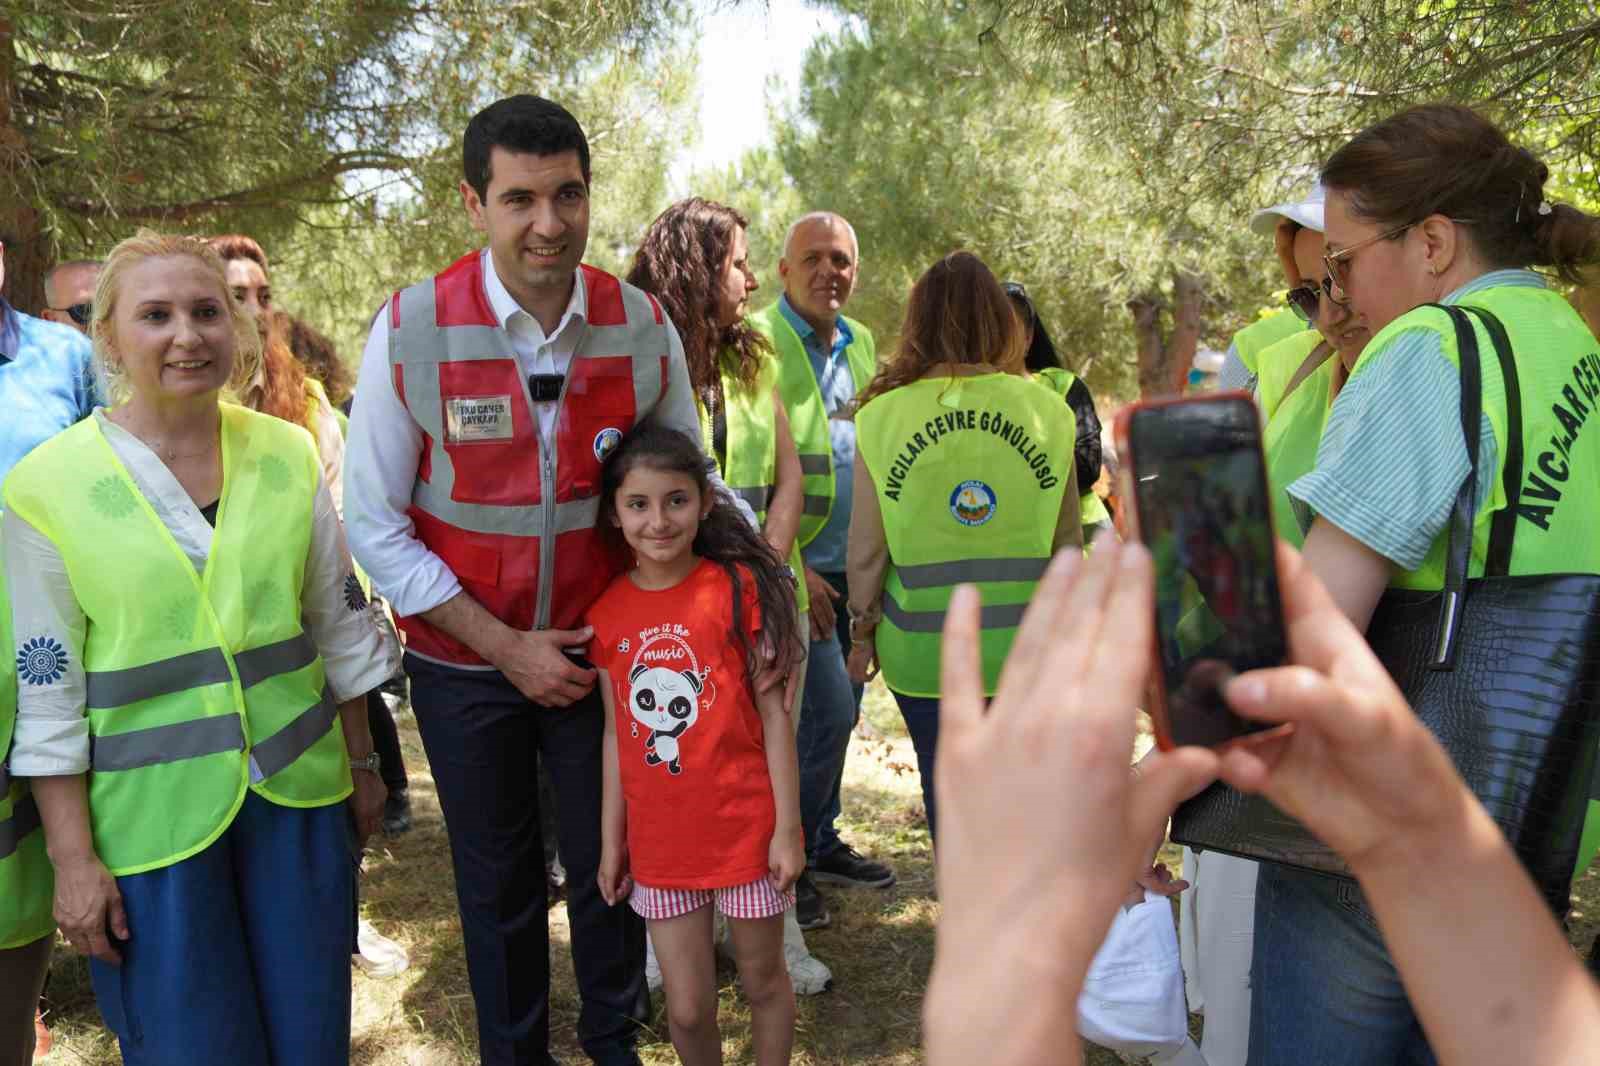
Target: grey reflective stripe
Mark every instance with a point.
(935, 575)
(24, 820)
(814, 464)
(1000, 616)
(270, 660)
(526, 520)
(282, 748)
(117, 688)
(757, 496)
(166, 743)
(817, 505)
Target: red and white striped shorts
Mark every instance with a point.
(758, 899)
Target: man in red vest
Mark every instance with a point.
(488, 398)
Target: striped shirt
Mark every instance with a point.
(1392, 459)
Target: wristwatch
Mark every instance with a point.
(372, 762)
(859, 632)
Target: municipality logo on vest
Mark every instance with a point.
(606, 441)
(973, 503)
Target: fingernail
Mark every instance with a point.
(1247, 689)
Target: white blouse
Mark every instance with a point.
(52, 733)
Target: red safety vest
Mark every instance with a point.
(514, 521)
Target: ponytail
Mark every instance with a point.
(724, 537)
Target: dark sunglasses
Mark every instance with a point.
(1014, 288)
(1305, 300)
(80, 313)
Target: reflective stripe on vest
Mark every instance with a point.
(808, 417)
(970, 474)
(204, 736)
(490, 498)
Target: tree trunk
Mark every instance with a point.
(1164, 361)
(27, 251)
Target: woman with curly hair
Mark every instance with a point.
(695, 259)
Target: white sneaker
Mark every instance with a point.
(809, 974)
(379, 956)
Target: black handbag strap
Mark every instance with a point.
(1458, 543)
(1503, 528)
(1458, 546)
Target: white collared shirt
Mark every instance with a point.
(52, 732)
(385, 444)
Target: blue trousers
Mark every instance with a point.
(921, 714)
(1323, 988)
(484, 741)
(829, 708)
(240, 954)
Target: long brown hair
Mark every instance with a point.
(317, 354)
(680, 262)
(1449, 160)
(280, 389)
(957, 313)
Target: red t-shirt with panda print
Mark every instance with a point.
(693, 765)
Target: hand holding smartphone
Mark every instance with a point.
(1196, 490)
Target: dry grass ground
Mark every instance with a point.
(880, 945)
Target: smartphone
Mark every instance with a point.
(1195, 487)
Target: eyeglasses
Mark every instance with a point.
(80, 313)
(1014, 288)
(1337, 263)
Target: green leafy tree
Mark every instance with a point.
(205, 114)
(916, 125)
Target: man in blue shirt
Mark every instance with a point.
(46, 385)
(818, 268)
(46, 380)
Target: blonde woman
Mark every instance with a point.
(193, 634)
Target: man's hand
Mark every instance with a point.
(824, 616)
(533, 661)
(366, 804)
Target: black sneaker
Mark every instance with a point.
(845, 865)
(809, 910)
(397, 813)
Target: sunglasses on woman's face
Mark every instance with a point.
(1305, 300)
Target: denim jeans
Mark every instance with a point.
(829, 709)
(1324, 989)
(921, 714)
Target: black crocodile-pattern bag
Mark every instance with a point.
(1504, 669)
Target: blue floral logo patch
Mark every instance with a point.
(41, 661)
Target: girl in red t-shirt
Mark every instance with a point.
(701, 800)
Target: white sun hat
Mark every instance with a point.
(1307, 212)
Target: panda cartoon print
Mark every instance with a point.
(667, 703)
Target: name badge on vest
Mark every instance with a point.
(477, 418)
